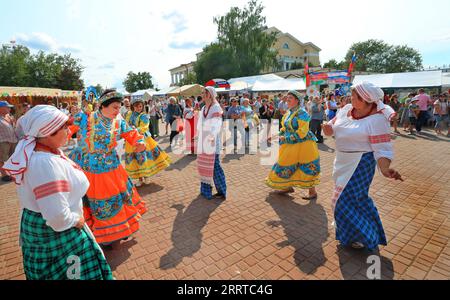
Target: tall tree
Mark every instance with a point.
(242, 31)
(190, 79)
(14, 66)
(215, 62)
(334, 64)
(380, 57)
(138, 81)
(99, 89)
(19, 68)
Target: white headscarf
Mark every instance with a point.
(373, 94)
(40, 121)
(212, 92)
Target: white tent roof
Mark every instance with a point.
(403, 80)
(141, 93)
(279, 85)
(235, 87)
(250, 80)
(446, 79)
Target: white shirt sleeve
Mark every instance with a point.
(380, 138)
(51, 187)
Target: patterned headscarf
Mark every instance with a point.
(40, 121)
(373, 94)
(111, 95)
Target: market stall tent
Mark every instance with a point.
(250, 80)
(187, 91)
(426, 79)
(143, 94)
(166, 91)
(235, 87)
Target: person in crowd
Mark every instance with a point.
(247, 117)
(441, 113)
(126, 107)
(266, 113)
(112, 206)
(317, 116)
(331, 107)
(395, 105)
(174, 114)
(189, 115)
(413, 114)
(19, 129)
(298, 164)
(234, 114)
(143, 165)
(363, 141)
(282, 109)
(50, 188)
(209, 146)
(404, 120)
(155, 114)
(8, 139)
(423, 101)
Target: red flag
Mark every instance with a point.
(307, 77)
(352, 65)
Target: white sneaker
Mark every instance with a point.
(147, 180)
(137, 183)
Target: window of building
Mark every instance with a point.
(286, 46)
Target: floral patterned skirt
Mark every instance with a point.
(298, 166)
(147, 163)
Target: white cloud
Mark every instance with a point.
(73, 9)
(44, 42)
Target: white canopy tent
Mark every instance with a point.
(250, 80)
(236, 86)
(403, 80)
(446, 80)
(143, 94)
(279, 85)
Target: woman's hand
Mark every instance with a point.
(80, 223)
(140, 147)
(282, 138)
(391, 173)
(327, 129)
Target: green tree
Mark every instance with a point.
(69, 77)
(215, 62)
(19, 68)
(190, 79)
(242, 31)
(99, 89)
(333, 64)
(14, 70)
(380, 57)
(140, 81)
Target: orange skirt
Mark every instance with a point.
(114, 206)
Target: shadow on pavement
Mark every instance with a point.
(364, 265)
(182, 163)
(306, 228)
(230, 157)
(148, 189)
(187, 234)
(323, 147)
(119, 254)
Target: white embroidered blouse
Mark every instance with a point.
(371, 134)
(54, 186)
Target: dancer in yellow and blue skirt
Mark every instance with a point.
(298, 162)
(141, 166)
(363, 141)
(53, 234)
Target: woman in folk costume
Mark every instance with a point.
(50, 188)
(189, 126)
(362, 133)
(141, 166)
(209, 129)
(113, 206)
(298, 162)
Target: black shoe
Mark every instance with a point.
(106, 247)
(220, 196)
(7, 178)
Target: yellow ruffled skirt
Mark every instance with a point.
(147, 163)
(298, 166)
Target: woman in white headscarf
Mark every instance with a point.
(54, 237)
(209, 128)
(362, 132)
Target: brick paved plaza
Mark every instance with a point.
(257, 235)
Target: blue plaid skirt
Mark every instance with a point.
(51, 255)
(357, 218)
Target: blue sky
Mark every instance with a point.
(112, 37)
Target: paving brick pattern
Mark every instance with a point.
(258, 235)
